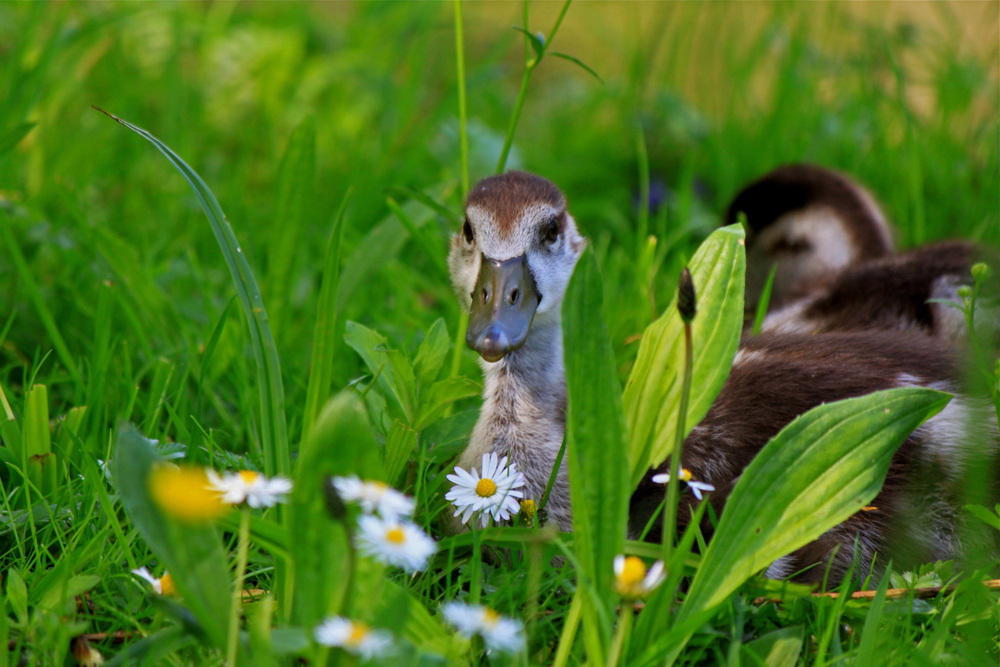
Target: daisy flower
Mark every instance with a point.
(250, 487)
(493, 494)
(498, 632)
(696, 487)
(395, 542)
(183, 493)
(374, 496)
(163, 586)
(353, 636)
(631, 578)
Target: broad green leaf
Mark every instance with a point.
(341, 443)
(779, 648)
(391, 367)
(37, 437)
(68, 590)
(192, 553)
(296, 178)
(652, 393)
(10, 138)
(818, 471)
(595, 431)
(399, 444)
(431, 354)
(441, 395)
(17, 595)
(325, 332)
(274, 434)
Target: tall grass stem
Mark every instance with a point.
(673, 484)
(463, 136)
(242, 549)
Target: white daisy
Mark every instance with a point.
(250, 487)
(493, 493)
(353, 636)
(631, 578)
(498, 632)
(374, 496)
(395, 542)
(163, 586)
(696, 487)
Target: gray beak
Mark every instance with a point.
(503, 306)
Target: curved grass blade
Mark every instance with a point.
(274, 433)
(578, 62)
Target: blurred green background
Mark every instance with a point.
(99, 228)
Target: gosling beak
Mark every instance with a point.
(503, 306)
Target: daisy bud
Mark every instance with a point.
(981, 271)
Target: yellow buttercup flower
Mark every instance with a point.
(184, 493)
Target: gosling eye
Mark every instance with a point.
(467, 231)
(789, 246)
(550, 231)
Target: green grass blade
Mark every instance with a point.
(595, 432)
(325, 332)
(274, 435)
(765, 301)
(652, 393)
(296, 177)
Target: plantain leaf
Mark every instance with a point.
(652, 393)
(191, 553)
(595, 431)
(341, 443)
(399, 444)
(818, 471)
(431, 354)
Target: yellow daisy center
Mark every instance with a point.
(358, 633)
(249, 476)
(184, 493)
(632, 575)
(486, 488)
(167, 585)
(490, 617)
(395, 535)
(685, 475)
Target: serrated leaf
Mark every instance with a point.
(441, 395)
(578, 62)
(431, 354)
(652, 393)
(391, 367)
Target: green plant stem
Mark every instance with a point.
(474, 583)
(625, 617)
(529, 66)
(569, 630)
(242, 549)
(460, 66)
(670, 511)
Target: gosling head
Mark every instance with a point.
(810, 221)
(512, 260)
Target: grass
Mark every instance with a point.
(114, 294)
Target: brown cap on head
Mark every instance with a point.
(796, 187)
(506, 196)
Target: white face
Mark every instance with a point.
(546, 236)
(808, 245)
